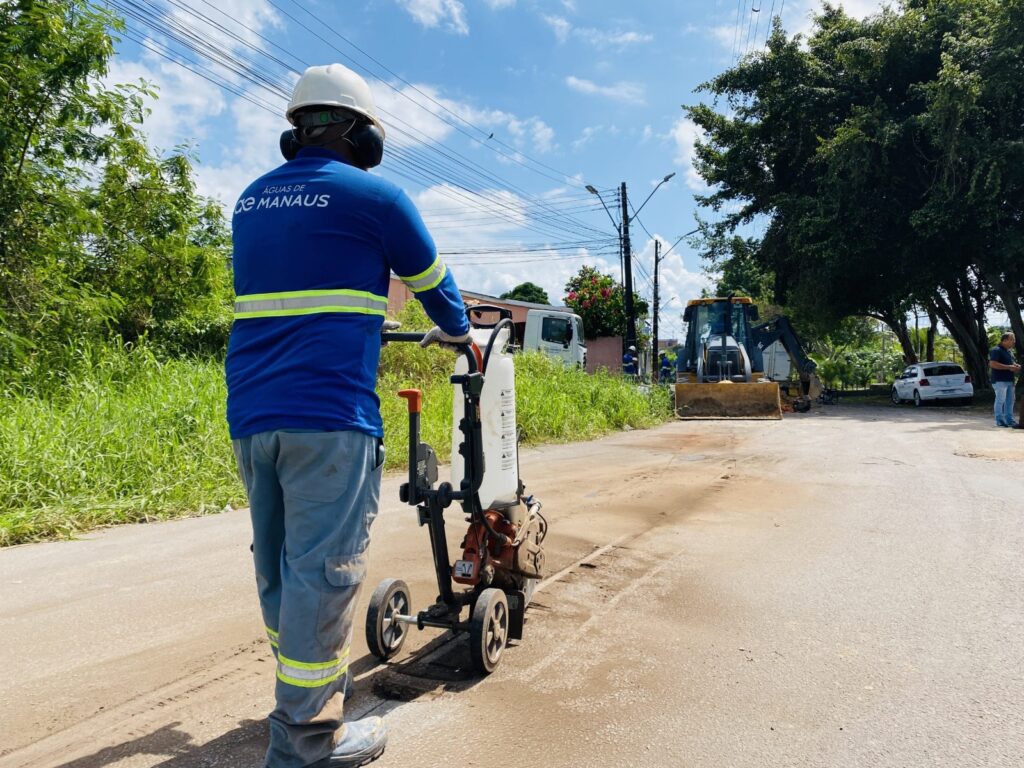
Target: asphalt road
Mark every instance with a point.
(837, 589)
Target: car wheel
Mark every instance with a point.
(918, 402)
(896, 399)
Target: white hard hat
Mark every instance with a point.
(333, 85)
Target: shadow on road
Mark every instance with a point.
(243, 745)
(440, 666)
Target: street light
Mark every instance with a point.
(637, 211)
(626, 251)
(658, 258)
(618, 227)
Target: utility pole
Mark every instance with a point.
(655, 368)
(627, 263)
(658, 256)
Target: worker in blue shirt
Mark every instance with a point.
(665, 375)
(630, 363)
(315, 241)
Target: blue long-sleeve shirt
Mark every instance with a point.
(315, 241)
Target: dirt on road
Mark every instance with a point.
(837, 589)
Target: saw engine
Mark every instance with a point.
(488, 561)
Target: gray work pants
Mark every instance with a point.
(313, 497)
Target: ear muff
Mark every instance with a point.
(367, 144)
(321, 128)
(289, 145)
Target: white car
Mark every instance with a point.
(924, 382)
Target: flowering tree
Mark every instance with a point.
(600, 301)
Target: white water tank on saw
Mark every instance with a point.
(500, 486)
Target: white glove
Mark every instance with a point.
(436, 336)
(390, 326)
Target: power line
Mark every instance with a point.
(757, 21)
(771, 19)
(741, 6)
(488, 134)
(450, 166)
(753, 10)
(551, 217)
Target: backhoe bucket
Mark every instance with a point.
(728, 401)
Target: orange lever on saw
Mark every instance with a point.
(414, 398)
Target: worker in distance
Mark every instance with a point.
(315, 241)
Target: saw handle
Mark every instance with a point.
(413, 398)
(470, 350)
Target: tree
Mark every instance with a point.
(527, 291)
(600, 301)
(885, 157)
(97, 234)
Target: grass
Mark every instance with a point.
(127, 437)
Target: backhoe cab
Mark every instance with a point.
(720, 368)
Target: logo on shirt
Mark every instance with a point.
(286, 196)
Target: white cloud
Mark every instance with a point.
(599, 38)
(186, 101)
(457, 223)
(452, 215)
(451, 14)
(585, 136)
(631, 93)
(561, 27)
(618, 39)
(242, 162)
(550, 270)
(725, 35)
(684, 134)
(244, 18)
(431, 123)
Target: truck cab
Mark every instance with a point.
(556, 334)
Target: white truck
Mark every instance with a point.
(556, 334)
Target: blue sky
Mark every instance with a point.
(498, 112)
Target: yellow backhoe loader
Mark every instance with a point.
(720, 369)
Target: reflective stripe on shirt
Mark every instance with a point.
(429, 278)
(292, 303)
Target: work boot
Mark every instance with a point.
(363, 742)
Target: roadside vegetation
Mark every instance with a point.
(126, 436)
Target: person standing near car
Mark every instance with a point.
(315, 241)
(1003, 366)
